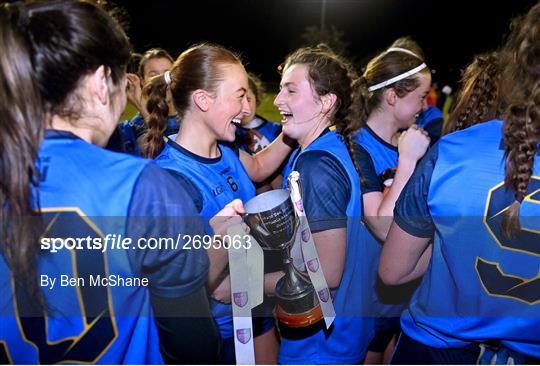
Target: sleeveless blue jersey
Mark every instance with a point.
(132, 129)
(385, 160)
(431, 120)
(479, 286)
(82, 188)
(431, 115)
(346, 342)
(384, 155)
(219, 181)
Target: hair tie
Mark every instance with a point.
(167, 77)
(519, 197)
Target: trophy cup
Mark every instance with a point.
(274, 224)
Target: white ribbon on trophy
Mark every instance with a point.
(246, 269)
(309, 253)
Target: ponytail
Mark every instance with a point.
(158, 110)
(521, 101)
(478, 97)
(22, 125)
(521, 137)
(354, 119)
(361, 100)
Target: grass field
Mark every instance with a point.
(266, 109)
(129, 112)
(269, 110)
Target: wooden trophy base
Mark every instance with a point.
(300, 320)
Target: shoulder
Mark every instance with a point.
(157, 186)
(326, 188)
(318, 162)
(322, 171)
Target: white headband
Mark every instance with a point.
(167, 77)
(399, 49)
(397, 78)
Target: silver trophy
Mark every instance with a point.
(274, 223)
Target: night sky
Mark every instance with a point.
(264, 31)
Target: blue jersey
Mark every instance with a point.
(385, 160)
(257, 134)
(131, 130)
(431, 120)
(140, 125)
(87, 191)
(383, 154)
(347, 340)
(128, 133)
(219, 181)
(479, 286)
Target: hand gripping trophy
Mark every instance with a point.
(274, 219)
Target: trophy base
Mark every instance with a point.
(299, 320)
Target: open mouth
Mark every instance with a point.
(237, 122)
(285, 116)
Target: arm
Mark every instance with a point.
(372, 194)
(327, 190)
(222, 292)
(331, 247)
(270, 281)
(219, 224)
(404, 170)
(162, 207)
(263, 164)
(378, 208)
(404, 257)
(406, 252)
(134, 94)
(378, 225)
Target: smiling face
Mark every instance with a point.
(156, 66)
(298, 103)
(252, 101)
(229, 105)
(406, 108)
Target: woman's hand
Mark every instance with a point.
(228, 217)
(134, 92)
(413, 144)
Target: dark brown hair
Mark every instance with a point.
(199, 67)
(330, 73)
(47, 47)
(134, 62)
(477, 100)
(520, 98)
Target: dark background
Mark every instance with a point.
(264, 31)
